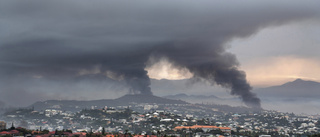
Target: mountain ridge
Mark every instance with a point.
(76, 105)
(297, 88)
(183, 95)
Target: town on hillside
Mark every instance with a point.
(146, 119)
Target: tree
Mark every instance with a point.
(103, 131)
(45, 131)
(12, 127)
(158, 133)
(56, 132)
(198, 130)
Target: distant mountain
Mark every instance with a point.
(182, 96)
(187, 86)
(204, 99)
(148, 99)
(296, 89)
(75, 105)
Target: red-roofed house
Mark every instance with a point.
(14, 132)
(4, 133)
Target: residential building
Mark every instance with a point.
(3, 125)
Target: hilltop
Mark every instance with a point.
(76, 105)
(295, 89)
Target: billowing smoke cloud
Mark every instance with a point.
(212, 64)
(113, 41)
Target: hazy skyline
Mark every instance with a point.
(94, 50)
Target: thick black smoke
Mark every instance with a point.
(211, 63)
(63, 43)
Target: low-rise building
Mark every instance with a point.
(3, 125)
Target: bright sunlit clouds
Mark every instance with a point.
(165, 70)
(278, 70)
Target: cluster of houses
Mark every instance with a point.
(205, 128)
(68, 133)
(168, 119)
(16, 133)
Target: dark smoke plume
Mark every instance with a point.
(61, 47)
(211, 63)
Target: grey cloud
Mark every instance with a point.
(58, 39)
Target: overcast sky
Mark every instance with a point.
(280, 54)
(104, 49)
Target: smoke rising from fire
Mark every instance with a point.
(114, 41)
